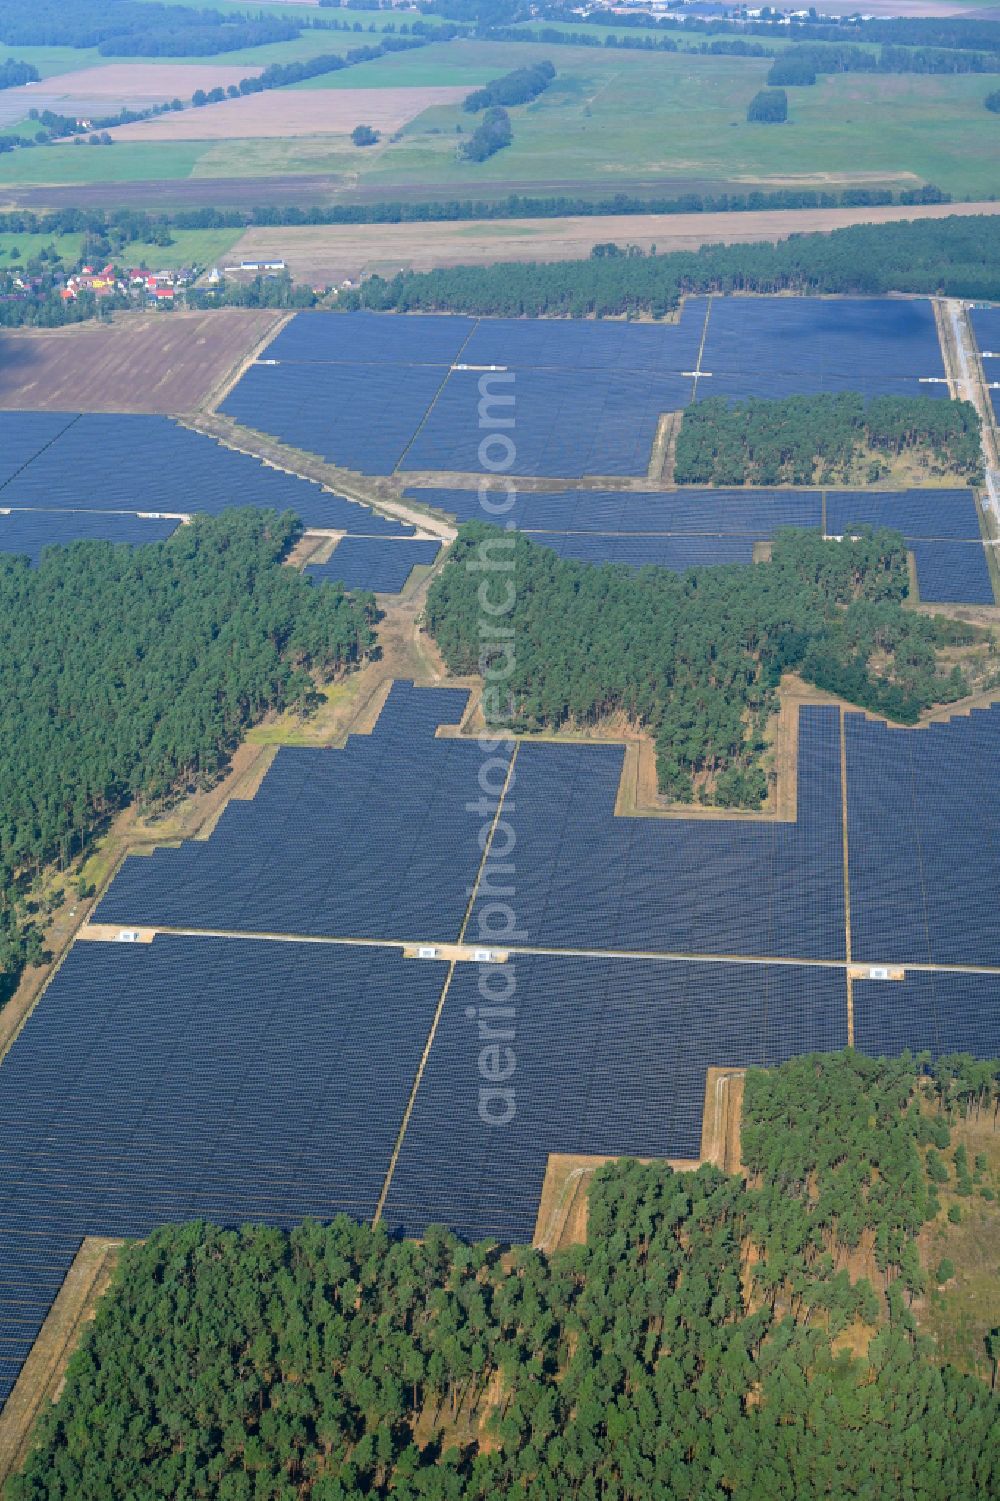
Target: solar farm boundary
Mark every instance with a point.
(363, 490)
(849, 974)
(42, 1374)
(235, 374)
(439, 1009)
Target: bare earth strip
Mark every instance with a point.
(282, 114)
(142, 362)
(333, 252)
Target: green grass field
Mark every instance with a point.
(51, 61)
(609, 119)
(191, 247)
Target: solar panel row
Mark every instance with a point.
(924, 841)
(757, 514)
(606, 1056)
(28, 532)
(937, 1013)
(380, 565)
(954, 572)
(375, 841)
(986, 327)
(105, 462)
(782, 346)
(23, 435)
(677, 553)
(207, 1078)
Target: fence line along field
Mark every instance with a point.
(142, 362)
(285, 113)
(330, 253)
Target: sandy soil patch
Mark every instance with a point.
(284, 113)
(329, 254)
(142, 362)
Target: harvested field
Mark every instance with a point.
(331, 253)
(283, 113)
(103, 90)
(145, 362)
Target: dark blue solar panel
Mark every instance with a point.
(25, 434)
(575, 344)
(955, 572)
(609, 1058)
(677, 553)
(924, 842)
(757, 514)
(199, 1078)
(374, 841)
(371, 338)
(589, 880)
(379, 565)
(359, 417)
(986, 327)
(935, 1012)
(776, 346)
(28, 532)
(563, 423)
(128, 463)
(915, 513)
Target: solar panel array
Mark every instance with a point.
(935, 1012)
(953, 572)
(376, 392)
(610, 1058)
(588, 880)
(196, 1078)
(924, 844)
(28, 532)
(101, 462)
(374, 841)
(25, 434)
(719, 526)
(946, 514)
(986, 327)
(792, 346)
(746, 513)
(377, 564)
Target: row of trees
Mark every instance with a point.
(954, 256)
(658, 1360)
(696, 658)
(518, 87)
(824, 439)
(801, 65)
(127, 673)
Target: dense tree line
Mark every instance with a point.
(135, 224)
(804, 440)
(14, 73)
(956, 34)
(518, 87)
(134, 28)
(335, 1363)
(127, 673)
(954, 256)
(768, 107)
(696, 658)
(801, 65)
(273, 291)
